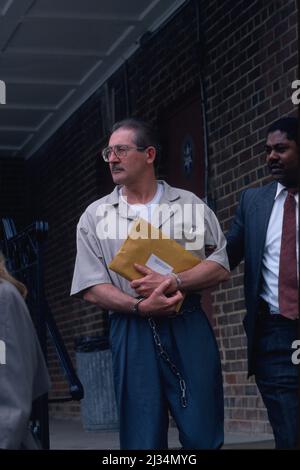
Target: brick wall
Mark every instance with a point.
(251, 63)
(248, 52)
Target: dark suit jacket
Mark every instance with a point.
(246, 240)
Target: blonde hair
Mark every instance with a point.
(4, 274)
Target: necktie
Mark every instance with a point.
(287, 283)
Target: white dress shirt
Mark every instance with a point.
(271, 254)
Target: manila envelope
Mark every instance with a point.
(149, 246)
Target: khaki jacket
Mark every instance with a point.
(104, 226)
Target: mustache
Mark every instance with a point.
(115, 166)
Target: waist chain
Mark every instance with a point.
(164, 355)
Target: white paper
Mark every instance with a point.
(158, 265)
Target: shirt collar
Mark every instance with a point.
(281, 188)
(170, 194)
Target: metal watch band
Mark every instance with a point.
(178, 280)
(135, 308)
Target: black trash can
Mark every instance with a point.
(94, 368)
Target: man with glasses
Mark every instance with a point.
(265, 234)
(162, 362)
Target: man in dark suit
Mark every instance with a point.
(264, 233)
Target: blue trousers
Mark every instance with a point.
(147, 389)
(277, 377)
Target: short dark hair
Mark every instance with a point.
(289, 125)
(145, 135)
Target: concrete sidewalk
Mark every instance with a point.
(69, 434)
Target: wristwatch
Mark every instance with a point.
(177, 278)
(135, 308)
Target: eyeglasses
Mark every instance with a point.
(119, 150)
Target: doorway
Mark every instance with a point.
(183, 154)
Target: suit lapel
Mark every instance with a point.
(264, 205)
(263, 208)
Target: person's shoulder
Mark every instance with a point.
(259, 191)
(14, 311)
(10, 299)
(184, 194)
(92, 208)
(8, 291)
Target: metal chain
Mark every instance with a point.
(164, 355)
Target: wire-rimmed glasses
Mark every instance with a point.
(119, 150)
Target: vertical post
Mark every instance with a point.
(41, 404)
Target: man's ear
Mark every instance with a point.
(151, 154)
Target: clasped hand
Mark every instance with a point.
(151, 280)
(160, 292)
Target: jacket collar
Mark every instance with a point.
(170, 194)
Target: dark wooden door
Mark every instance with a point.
(183, 158)
(183, 149)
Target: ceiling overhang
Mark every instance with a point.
(55, 53)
